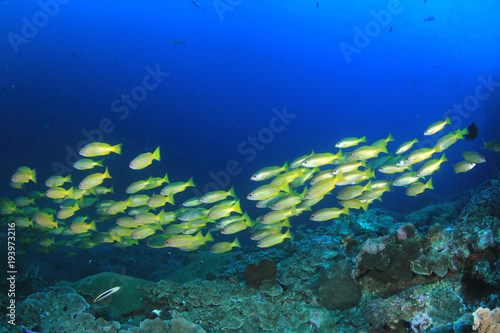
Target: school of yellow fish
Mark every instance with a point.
(292, 189)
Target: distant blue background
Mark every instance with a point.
(226, 79)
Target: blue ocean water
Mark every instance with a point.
(236, 86)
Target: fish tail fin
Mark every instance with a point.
(368, 187)
(345, 210)
(156, 154)
(112, 189)
(71, 192)
(99, 163)
(208, 237)
(92, 226)
(286, 223)
(362, 139)
(338, 156)
(117, 149)
(285, 166)
(191, 182)
(389, 138)
(106, 173)
(447, 121)
(429, 184)
(231, 192)
(237, 207)
(170, 198)
(236, 243)
(443, 158)
(68, 179)
(33, 175)
(288, 234)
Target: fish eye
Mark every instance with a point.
(250, 195)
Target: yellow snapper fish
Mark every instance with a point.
(352, 192)
(67, 212)
(143, 160)
(56, 181)
(154, 182)
(117, 207)
(145, 231)
(274, 239)
(138, 185)
(349, 142)
(406, 179)
(99, 190)
(236, 226)
(354, 204)
(348, 166)
(306, 175)
(177, 187)
(59, 193)
(324, 174)
(192, 202)
(296, 163)
(383, 142)
(437, 126)
(367, 152)
(289, 200)
(317, 160)
(421, 155)
(222, 247)
(159, 200)
(82, 227)
(406, 146)
(24, 174)
(99, 149)
(326, 214)
(390, 169)
(93, 180)
(157, 241)
(215, 196)
(429, 167)
(24, 201)
(185, 240)
(268, 191)
(492, 145)
(288, 177)
(323, 187)
(45, 220)
(451, 138)
(220, 211)
(473, 156)
(417, 188)
(269, 172)
(86, 163)
(463, 166)
(230, 219)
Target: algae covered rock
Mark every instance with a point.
(255, 274)
(337, 289)
(126, 300)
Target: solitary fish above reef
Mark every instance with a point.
(430, 18)
(177, 42)
(473, 132)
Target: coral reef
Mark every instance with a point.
(487, 321)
